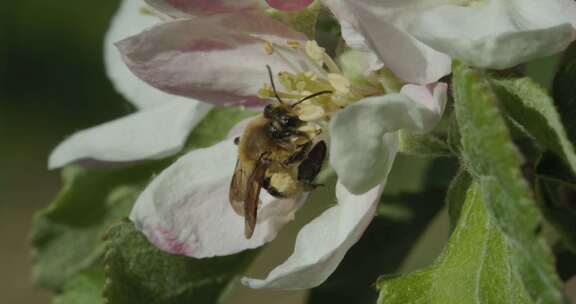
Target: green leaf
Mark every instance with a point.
(423, 144)
(137, 272)
(303, 21)
(215, 126)
(530, 106)
(474, 268)
(66, 236)
(489, 154)
(456, 195)
(406, 210)
(564, 91)
(556, 187)
(85, 288)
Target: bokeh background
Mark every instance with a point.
(52, 83)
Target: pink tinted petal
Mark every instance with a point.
(185, 8)
(289, 5)
(185, 210)
(130, 20)
(322, 243)
(150, 134)
(218, 59)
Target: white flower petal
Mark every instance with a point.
(322, 243)
(376, 28)
(350, 28)
(432, 98)
(186, 210)
(498, 34)
(363, 138)
(132, 18)
(225, 65)
(150, 134)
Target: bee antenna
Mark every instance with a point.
(273, 85)
(311, 96)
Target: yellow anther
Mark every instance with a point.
(264, 92)
(311, 75)
(311, 129)
(293, 44)
(340, 101)
(314, 51)
(268, 48)
(340, 83)
(300, 86)
(310, 112)
(145, 11)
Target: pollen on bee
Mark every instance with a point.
(284, 182)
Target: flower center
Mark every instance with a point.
(311, 70)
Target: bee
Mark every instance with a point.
(273, 154)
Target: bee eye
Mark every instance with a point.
(292, 121)
(268, 111)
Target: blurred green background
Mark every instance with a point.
(52, 83)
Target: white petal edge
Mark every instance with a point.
(323, 243)
(149, 134)
(363, 136)
(498, 34)
(376, 28)
(185, 210)
(350, 29)
(132, 18)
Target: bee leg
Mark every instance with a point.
(298, 155)
(236, 140)
(311, 166)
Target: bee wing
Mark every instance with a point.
(253, 197)
(245, 191)
(239, 185)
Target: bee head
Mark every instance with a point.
(281, 114)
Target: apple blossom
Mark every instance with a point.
(221, 58)
(412, 36)
(160, 126)
(163, 122)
